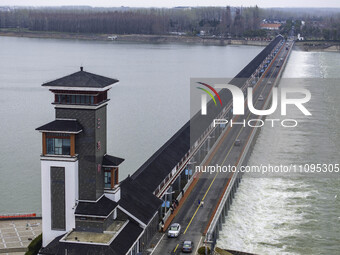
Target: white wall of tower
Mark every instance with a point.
(71, 196)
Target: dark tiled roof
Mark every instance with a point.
(126, 238)
(103, 207)
(77, 249)
(109, 160)
(52, 248)
(138, 200)
(159, 165)
(82, 79)
(71, 126)
(120, 245)
(249, 69)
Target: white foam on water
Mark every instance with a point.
(293, 214)
(262, 214)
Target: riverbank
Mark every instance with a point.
(134, 38)
(313, 46)
(318, 46)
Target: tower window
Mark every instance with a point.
(107, 179)
(58, 146)
(79, 97)
(110, 177)
(75, 99)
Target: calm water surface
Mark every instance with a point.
(147, 107)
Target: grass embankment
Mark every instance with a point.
(142, 38)
(35, 245)
(222, 252)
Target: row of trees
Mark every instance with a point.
(212, 20)
(222, 21)
(327, 28)
(318, 24)
(84, 22)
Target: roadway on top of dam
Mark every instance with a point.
(194, 218)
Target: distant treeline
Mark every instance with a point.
(212, 20)
(327, 28)
(310, 23)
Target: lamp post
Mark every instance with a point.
(209, 137)
(166, 196)
(190, 163)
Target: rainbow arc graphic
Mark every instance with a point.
(209, 93)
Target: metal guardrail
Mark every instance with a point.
(228, 190)
(12, 216)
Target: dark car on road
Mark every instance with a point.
(187, 246)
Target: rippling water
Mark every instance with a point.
(297, 214)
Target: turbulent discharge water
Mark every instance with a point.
(293, 214)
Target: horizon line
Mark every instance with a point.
(169, 7)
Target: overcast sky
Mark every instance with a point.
(172, 3)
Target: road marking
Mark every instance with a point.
(157, 244)
(176, 248)
(263, 88)
(3, 240)
(239, 133)
(16, 231)
(258, 84)
(200, 204)
(231, 147)
(198, 245)
(31, 226)
(247, 141)
(209, 188)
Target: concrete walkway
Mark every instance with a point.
(16, 235)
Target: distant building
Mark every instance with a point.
(183, 7)
(177, 33)
(5, 9)
(271, 26)
(112, 37)
(85, 209)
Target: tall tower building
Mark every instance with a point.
(85, 209)
(75, 166)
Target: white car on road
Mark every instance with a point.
(174, 230)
